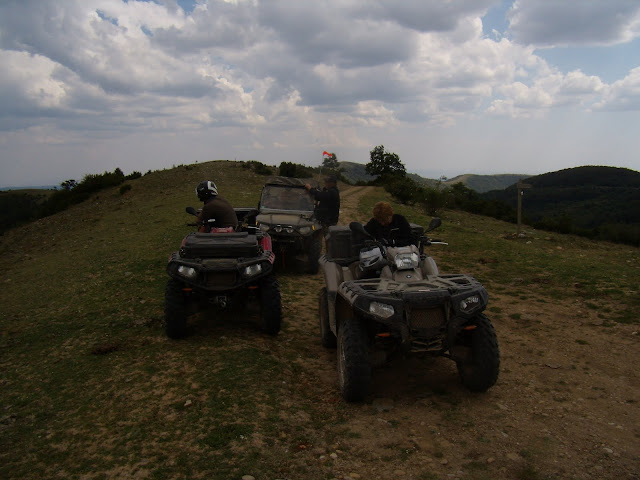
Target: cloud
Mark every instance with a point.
(589, 22)
(623, 95)
(246, 75)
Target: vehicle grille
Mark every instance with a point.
(427, 318)
(221, 279)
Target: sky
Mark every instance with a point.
(451, 86)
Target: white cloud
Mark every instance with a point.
(242, 76)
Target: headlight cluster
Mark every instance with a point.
(187, 272)
(286, 228)
(252, 270)
(406, 261)
(469, 303)
(381, 310)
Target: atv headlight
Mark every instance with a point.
(264, 227)
(381, 310)
(305, 230)
(406, 261)
(252, 270)
(469, 303)
(289, 229)
(278, 228)
(187, 272)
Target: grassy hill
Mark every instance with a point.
(92, 388)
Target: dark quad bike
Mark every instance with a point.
(286, 213)
(380, 299)
(223, 270)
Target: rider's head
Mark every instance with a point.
(383, 213)
(330, 181)
(206, 190)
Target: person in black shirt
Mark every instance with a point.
(215, 207)
(328, 202)
(388, 227)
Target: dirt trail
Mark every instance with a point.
(565, 405)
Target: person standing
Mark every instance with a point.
(327, 208)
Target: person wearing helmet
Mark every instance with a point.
(328, 207)
(215, 207)
(388, 227)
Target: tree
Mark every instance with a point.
(330, 162)
(384, 163)
(69, 184)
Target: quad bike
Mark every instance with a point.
(381, 299)
(286, 211)
(222, 269)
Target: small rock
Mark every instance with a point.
(513, 456)
(607, 450)
(334, 456)
(444, 461)
(491, 460)
(355, 476)
(248, 477)
(188, 404)
(383, 404)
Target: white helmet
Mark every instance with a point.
(206, 189)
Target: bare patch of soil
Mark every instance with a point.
(566, 405)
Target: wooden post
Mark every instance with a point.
(520, 188)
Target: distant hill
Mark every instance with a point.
(356, 172)
(582, 199)
(486, 183)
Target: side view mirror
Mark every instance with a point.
(435, 223)
(192, 211)
(357, 227)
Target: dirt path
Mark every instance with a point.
(565, 406)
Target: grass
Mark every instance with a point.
(91, 388)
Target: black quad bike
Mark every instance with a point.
(286, 212)
(222, 269)
(381, 299)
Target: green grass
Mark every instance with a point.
(92, 388)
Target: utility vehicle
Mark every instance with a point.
(381, 299)
(222, 270)
(286, 213)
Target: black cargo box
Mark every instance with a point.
(343, 245)
(228, 245)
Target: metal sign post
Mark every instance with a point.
(521, 186)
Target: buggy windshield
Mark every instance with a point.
(279, 197)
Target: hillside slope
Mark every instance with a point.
(584, 197)
(92, 388)
(486, 183)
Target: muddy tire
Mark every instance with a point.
(480, 372)
(315, 249)
(270, 305)
(354, 369)
(175, 310)
(327, 337)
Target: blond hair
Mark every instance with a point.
(382, 211)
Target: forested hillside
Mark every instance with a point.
(589, 200)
